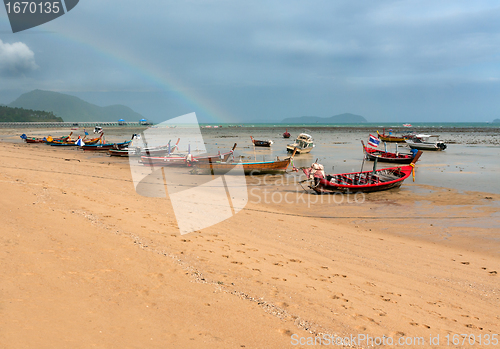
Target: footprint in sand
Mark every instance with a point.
(285, 332)
(466, 263)
(493, 273)
(363, 317)
(397, 334)
(337, 296)
(474, 327)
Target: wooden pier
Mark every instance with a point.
(72, 124)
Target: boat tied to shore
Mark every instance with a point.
(254, 167)
(257, 143)
(106, 146)
(185, 160)
(385, 156)
(390, 138)
(364, 181)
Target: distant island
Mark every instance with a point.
(72, 108)
(346, 118)
(8, 114)
(496, 121)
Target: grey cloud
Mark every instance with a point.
(16, 59)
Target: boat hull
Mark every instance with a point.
(381, 156)
(248, 168)
(426, 146)
(258, 143)
(181, 161)
(392, 139)
(118, 152)
(35, 140)
(262, 144)
(105, 147)
(299, 150)
(363, 182)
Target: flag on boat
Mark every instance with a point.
(80, 142)
(373, 141)
(86, 133)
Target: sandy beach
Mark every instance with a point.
(87, 262)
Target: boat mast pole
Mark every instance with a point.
(364, 157)
(375, 165)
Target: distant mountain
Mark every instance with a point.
(8, 114)
(346, 118)
(496, 121)
(72, 108)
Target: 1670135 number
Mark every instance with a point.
(470, 339)
(32, 7)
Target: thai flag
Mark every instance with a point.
(373, 141)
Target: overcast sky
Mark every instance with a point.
(234, 61)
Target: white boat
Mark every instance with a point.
(426, 142)
(304, 144)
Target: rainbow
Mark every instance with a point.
(156, 76)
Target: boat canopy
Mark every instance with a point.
(305, 136)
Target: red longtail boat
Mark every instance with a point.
(385, 156)
(367, 181)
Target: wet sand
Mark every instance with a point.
(88, 262)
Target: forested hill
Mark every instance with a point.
(8, 114)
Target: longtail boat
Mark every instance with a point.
(107, 146)
(389, 138)
(286, 134)
(44, 139)
(35, 140)
(367, 181)
(257, 167)
(68, 142)
(385, 156)
(261, 143)
(161, 150)
(185, 160)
